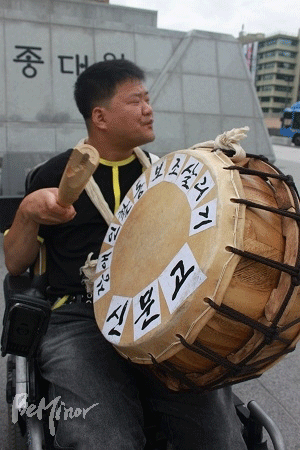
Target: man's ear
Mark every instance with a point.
(98, 117)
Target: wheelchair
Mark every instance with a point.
(25, 321)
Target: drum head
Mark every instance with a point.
(165, 254)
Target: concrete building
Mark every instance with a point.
(199, 83)
(274, 62)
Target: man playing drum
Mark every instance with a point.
(84, 370)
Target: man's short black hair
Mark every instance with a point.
(98, 83)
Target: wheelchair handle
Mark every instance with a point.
(276, 437)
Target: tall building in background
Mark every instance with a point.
(274, 64)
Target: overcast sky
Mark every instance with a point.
(257, 16)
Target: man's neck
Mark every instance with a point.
(110, 152)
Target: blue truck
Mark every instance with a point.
(290, 123)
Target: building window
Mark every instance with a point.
(284, 65)
(265, 99)
(265, 110)
(276, 110)
(268, 87)
(269, 65)
(271, 42)
(283, 88)
(287, 54)
(270, 54)
(267, 76)
(285, 41)
(288, 42)
(281, 100)
(281, 76)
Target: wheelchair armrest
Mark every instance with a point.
(16, 284)
(26, 315)
(25, 283)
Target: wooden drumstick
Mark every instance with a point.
(82, 163)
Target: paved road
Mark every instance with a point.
(277, 391)
(288, 160)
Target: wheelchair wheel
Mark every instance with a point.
(17, 438)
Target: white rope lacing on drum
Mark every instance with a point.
(229, 140)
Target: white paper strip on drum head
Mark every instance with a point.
(101, 285)
(181, 278)
(112, 234)
(203, 217)
(146, 310)
(139, 188)
(189, 174)
(175, 168)
(157, 173)
(104, 260)
(116, 318)
(200, 189)
(124, 210)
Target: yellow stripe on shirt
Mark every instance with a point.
(116, 187)
(115, 176)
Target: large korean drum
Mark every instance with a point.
(198, 274)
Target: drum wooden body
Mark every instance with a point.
(197, 278)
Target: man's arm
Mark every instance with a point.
(21, 245)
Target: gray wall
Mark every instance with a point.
(198, 81)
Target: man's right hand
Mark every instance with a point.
(42, 207)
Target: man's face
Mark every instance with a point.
(129, 116)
